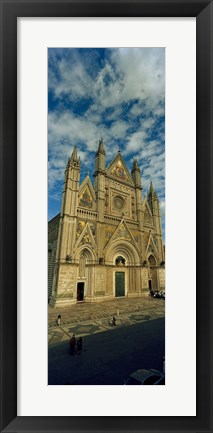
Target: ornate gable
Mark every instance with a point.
(118, 170)
(122, 232)
(148, 218)
(86, 194)
(151, 247)
(87, 236)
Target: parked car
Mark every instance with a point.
(146, 377)
(153, 293)
(157, 295)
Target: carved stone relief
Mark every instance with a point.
(80, 228)
(148, 218)
(100, 279)
(86, 239)
(122, 233)
(108, 233)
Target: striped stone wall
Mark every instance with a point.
(53, 226)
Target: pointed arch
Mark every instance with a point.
(87, 252)
(153, 279)
(152, 260)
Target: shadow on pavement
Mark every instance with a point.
(108, 358)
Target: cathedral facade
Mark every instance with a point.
(107, 241)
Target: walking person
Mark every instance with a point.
(72, 344)
(79, 345)
(59, 320)
(113, 321)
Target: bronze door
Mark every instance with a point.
(119, 284)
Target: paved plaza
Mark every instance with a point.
(110, 353)
(91, 318)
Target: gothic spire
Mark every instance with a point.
(151, 189)
(74, 156)
(136, 173)
(101, 147)
(135, 166)
(152, 194)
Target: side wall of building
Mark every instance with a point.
(53, 226)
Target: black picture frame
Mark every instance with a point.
(10, 11)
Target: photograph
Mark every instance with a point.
(106, 193)
(106, 216)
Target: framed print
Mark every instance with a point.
(67, 31)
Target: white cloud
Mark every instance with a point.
(143, 73)
(136, 110)
(149, 150)
(114, 114)
(136, 141)
(127, 74)
(72, 129)
(160, 111)
(71, 78)
(147, 123)
(118, 129)
(124, 92)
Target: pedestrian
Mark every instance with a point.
(59, 320)
(79, 345)
(113, 321)
(72, 344)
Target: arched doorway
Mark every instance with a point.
(120, 277)
(153, 283)
(86, 258)
(124, 260)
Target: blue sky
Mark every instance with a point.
(117, 94)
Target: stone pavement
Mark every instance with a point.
(85, 319)
(109, 357)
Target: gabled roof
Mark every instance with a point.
(87, 184)
(122, 231)
(118, 170)
(86, 237)
(151, 247)
(148, 217)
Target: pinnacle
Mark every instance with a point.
(74, 156)
(101, 147)
(135, 166)
(151, 188)
(152, 192)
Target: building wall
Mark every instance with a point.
(52, 247)
(99, 224)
